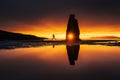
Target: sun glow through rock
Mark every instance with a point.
(70, 36)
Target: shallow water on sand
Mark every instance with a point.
(61, 62)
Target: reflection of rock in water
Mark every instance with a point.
(72, 51)
(73, 28)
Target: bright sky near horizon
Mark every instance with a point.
(47, 17)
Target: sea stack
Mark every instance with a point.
(72, 32)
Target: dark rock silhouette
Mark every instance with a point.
(73, 28)
(4, 35)
(72, 51)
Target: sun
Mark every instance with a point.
(70, 36)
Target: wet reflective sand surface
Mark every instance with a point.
(61, 62)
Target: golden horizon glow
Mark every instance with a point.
(62, 35)
(46, 28)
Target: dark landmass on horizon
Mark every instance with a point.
(5, 35)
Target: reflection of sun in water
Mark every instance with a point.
(70, 36)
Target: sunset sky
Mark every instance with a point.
(46, 17)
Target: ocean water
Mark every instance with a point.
(60, 62)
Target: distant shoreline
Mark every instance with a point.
(28, 43)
